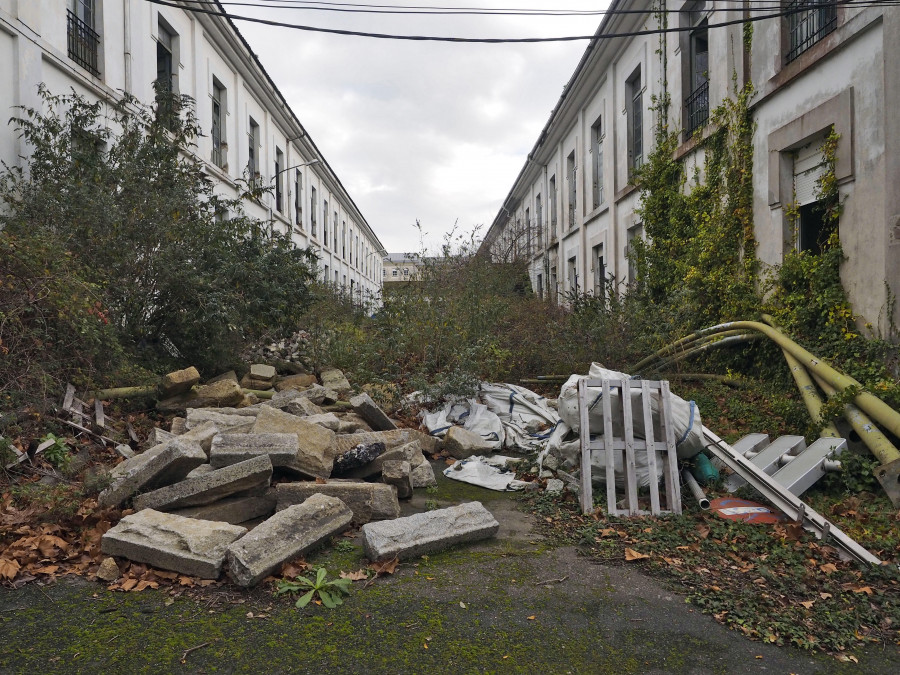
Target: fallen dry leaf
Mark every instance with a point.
(808, 603)
(385, 567)
(828, 568)
(532, 617)
(8, 568)
(359, 575)
(702, 530)
(825, 596)
(128, 584)
(631, 554)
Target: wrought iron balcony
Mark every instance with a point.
(808, 22)
(84, 44)
(697, 108)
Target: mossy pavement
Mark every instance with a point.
(515, 604)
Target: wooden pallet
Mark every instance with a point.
(629, 445)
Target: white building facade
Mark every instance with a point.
(819, 66)
(100, 48)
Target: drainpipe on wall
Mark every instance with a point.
(127, 13)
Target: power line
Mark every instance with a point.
(568, 38)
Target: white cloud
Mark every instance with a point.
(426, 131)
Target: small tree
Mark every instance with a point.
(118, 187)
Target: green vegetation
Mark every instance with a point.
(57, 453)
(328, 590)
(116, 252)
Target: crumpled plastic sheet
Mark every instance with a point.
(487, 472)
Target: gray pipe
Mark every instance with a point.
(695, 489)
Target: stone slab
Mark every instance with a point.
(367, 501)
(178, 426)
(333, 378)
(217, 395)
(391, 439)
(235, 509)
(228, 449)
(397, 473)
(422, 476)
(263, 371)
(366, 408)
(179, 381)
(462, 443)
(209, 487)
(301, 381)
(197, 416)
(327, 420)
(186, 545)
(408, 452)
(286, 535)
(316, 444)
(158, 436)
(429, 532)
(162, 465)
(302, 406)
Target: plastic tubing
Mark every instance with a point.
(695, 489)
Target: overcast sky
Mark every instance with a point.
(434, 132)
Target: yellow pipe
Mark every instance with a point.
(682, 343)
(810, 395)
(705, 346)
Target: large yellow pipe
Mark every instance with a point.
(810, 394)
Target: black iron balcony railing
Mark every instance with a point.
(84, 44)
(808, 22)
(697, 107)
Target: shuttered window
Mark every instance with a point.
(809, 166)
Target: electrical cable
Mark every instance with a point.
(569, 38)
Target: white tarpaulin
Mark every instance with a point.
(470, 415)
(489, 472)
(528, 421)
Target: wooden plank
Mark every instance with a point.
(69, 396)
(611, 507)
(587, 493)
(646, 398)
(132, 434)
(99, 415)
(628, 428)
(673, 488)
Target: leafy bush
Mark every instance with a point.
(115, 229)
(329, 591)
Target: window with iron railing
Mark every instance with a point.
(697, 102)
(697, 107)
(808, 21)
(84, 42)
(219, 146)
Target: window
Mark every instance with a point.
(635, 97)
(166, 86)
(334, 223)
(343, 237)
(279, 165)
(552, 208)
(597, 163)
(528, 232)
(808, 21)
(539, 220)
(325, 223)
(252, 150)
(394, 272)
(599, 268)
(809, 167)
(696, 104)
(312, 210)
(540, 286)
(298, 199)
(219, 145)
(83, 39)
(571, 172)
(572, 273)
(554, 287)
(635, 232)
(325, 279)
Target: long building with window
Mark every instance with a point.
(815, 66)
(101, 48)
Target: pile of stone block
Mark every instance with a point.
(203, 495)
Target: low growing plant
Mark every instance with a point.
(58, 453)
(329, 591)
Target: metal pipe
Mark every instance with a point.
(810, 395)
(695, 489)
(705, 346)
(674, 347)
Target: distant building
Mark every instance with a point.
(100, 48)
(819, 66)
(402, 267)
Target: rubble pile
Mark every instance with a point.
(244, 485)
(294, 349)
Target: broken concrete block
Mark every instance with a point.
(408, 452)
(286, 535)
(327, 420)
(361, 455)
(178, 426)
(162, 465)
(368, 501)
(197, 416)
(391, 439)
(333, 378)
(351, 423)
(302, 406)
(199, 471)
(461, 443)
(230, 375)
(295, 382)
(235, 509)
(554, 486)
(209, 487)
(397, 473)
(109, 570)
(315, 394)
(429, 532)
(422, 476)
(316, 453)
(179, 382)
(125, 451)
(228, 449)
(158, 436)
(263, 372)
(366, 408)
(185, 545)
(217, 395)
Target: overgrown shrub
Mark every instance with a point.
(123, 230)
